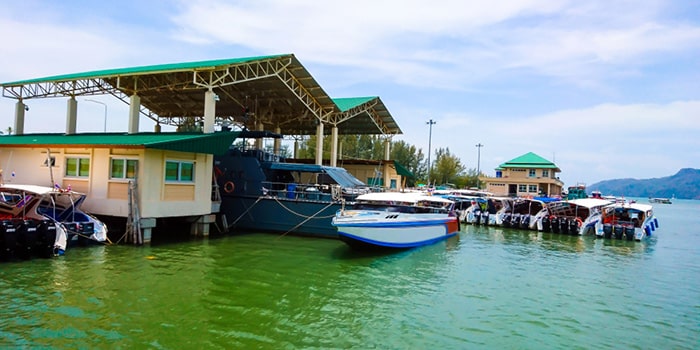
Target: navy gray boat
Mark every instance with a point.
(263, 192)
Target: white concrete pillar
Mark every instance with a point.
(278, 142)
(209, 111)
(259, 141)
(20, 108)
(387, 149)
(334, 145)
(319, 143)
(71, 115)
(134, 113)
(296, 148)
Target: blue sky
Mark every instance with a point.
(606, 89)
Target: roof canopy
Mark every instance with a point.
(529, 160)
(213, 143)
(274, 90)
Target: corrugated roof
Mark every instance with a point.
(275, 90)
(158, 68)
(345, 103)
(214, 143)
(529, 160)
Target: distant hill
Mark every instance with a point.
(684, 185)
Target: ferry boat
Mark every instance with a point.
(262, 192)
(397, 220)
(661, 200)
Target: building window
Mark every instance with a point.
(78, 167)
(545, 173)
(121, 168)
(179, 171)
(522, 188)
(531, 173)
(532, 188)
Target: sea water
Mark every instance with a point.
(485, 288)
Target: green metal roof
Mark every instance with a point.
(345, 103)
(159, 68)
(401, 170)
(529, 160)
(214, 143)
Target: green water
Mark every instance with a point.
(486, 288)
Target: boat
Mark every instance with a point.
(44, 221)
(660, 200)
(398, 220)
(625, 220)
(523, 213)
(264, 192)
(574, 217)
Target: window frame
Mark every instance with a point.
(181, 169)
(125, 168)
(77, 171)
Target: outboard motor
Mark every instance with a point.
(629, 232)
(8, 239)
(564, 226)
(515, 221)
(484, 218)
(546, 224)
(574, 229)
(86, 229)
(607, 230)
(477, 217)
(26, 239)
(46, 239)
(525, 222)
(617, 231)
(555, 225)
(506, 219)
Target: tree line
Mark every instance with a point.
(445, 167)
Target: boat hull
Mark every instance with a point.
(280, 215)
(394, 233)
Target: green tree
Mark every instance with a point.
(447, 167)
(411, 158)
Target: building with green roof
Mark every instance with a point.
(528, 175)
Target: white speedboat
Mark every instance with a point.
(574, 216)
(396, 220)
(44, 220)
(631, 221)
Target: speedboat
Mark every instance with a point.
(44, 220)
(396, 220)
(632, 221)
(574, 216)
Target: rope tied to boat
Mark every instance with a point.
(245, 212)
(308, 218)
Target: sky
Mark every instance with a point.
(606, 89)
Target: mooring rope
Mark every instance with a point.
(309, 218)
(302, 215)
(245, 212)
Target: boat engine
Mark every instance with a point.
(618, 231)
(564, 226)
(8, 239)
(506, 220)
(555, 225)
(573, 227)
(607, 230)
(26, 240)
(629, 232)
(525, 222)
(546, 224)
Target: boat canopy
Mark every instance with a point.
(339, 175)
